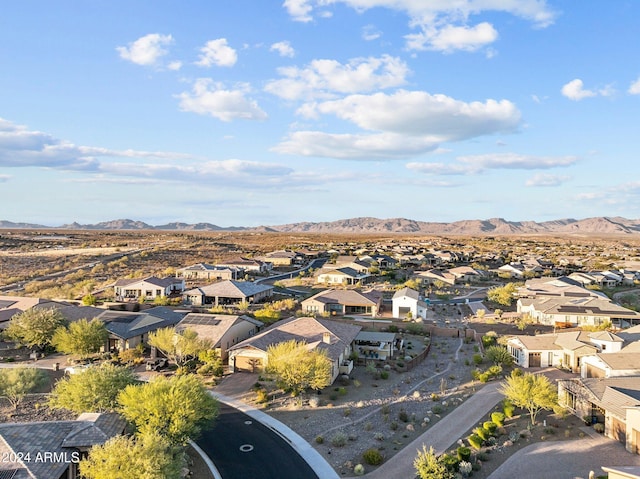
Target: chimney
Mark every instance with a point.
(326, 338)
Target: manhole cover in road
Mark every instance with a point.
(248, 422)
(246, 448)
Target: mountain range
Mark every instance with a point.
(494, 226)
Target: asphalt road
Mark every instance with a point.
(242, 448)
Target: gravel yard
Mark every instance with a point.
(367, 411)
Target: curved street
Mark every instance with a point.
(241, 447)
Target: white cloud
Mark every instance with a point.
(175, 66)
(543, 179)
(325, 78)
(24, 148)
(284, 49)
(146, 50)
(445, 20)
(21, 148)
(370, 33)
(299, 10)
(217, 52)
(477, 164)
(406, 123)
(451, 38)
(634, 88)
(574, 90)
(418, 113)
(354, 147)
(210, 98)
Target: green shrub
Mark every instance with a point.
(490, 426)
(475, 441)
(508, 408)
(463, 453)
(319, 440)
(372, 457)
(384, 374)
(477, 359)
(358, 470)
(498, 417)
(482, 432)
(262, 396)
(450, 462)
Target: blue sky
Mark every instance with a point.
(260, 112)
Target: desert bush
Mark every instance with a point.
(490, 426)
(477, 359)
(403, 416)
(498, 417)
(358, 470)
(508, 408)
(463, 453)
(339, 439)
(373, 457)
(482, 432)
(319, 439)
(475, 441)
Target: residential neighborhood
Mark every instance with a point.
(371, 307)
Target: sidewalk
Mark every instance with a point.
(442, 435)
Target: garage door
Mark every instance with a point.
(248, 364)
(594, 372)
(619, 430)
(534, 360)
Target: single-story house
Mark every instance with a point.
(224, 330)
(283, 258)
(128, 329)
(572, 312)
(343, 301)
(335, 337)
(614, 402)
(228, 292)
(605, 279)
(208, 272)
(55, 448)
(466, 274)
(512, 270)
(434, 275)
(12, 305)
(147, 288)
(361, 266)
(562, 286)
(344, 276)
(563, 350)
(247, 265)
(407, 300)
(609, 365)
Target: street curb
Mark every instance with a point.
(321, 467)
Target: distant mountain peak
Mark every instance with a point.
(367, 224)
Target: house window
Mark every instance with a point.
(158, 292)
(570, 400)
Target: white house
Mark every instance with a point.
(408, 301)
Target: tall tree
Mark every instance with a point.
(179, 347)
(15, 383)
(175, 408)
(34, 327)
(533, 392)
(93, 390)
(82, 337)
(297, 367)
(503, 294)
(144, 457)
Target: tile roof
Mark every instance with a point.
(230, 289)
(125, 325)
(347, 296)
(408, 292)
(213, 326)
(310, 330)
(39, 437)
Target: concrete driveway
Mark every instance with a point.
(566, 459)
